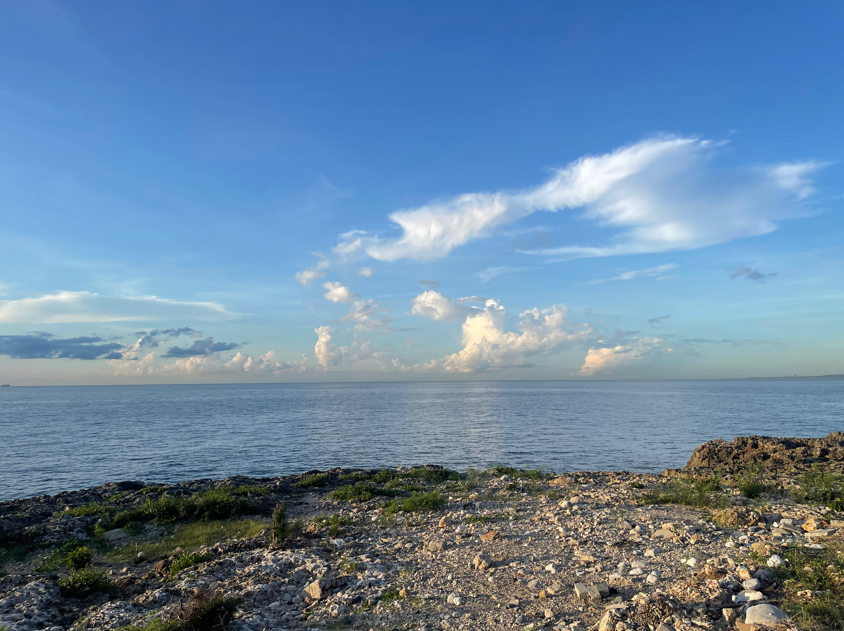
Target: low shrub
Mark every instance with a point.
(59, 557)
(79, 558)
(283, 528)
(83, 583)
(749, 482)
(133, 528)
(207, 505)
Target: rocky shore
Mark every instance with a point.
(749, 536)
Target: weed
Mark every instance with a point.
(149, 490)
(636, 485)
(750, 482)
(820, 487)
(433, 475)
(283, 529)
(823, 574)
(79, 558)
(93, 509)
(207, 505)
(186, 560)
(317, 480)
(699, 492)
(83, 583)
(358, 476)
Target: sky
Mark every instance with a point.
(214, 192)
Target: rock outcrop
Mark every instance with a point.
(778, 456)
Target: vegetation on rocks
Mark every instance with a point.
(82, 583)
(204, 611)
(688, 491)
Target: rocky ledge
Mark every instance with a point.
(425, 548)
(778, 456)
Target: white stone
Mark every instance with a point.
(764, 614)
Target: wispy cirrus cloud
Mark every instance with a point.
(633, 274)
(658, 195)
(494, 272)
(84, 306)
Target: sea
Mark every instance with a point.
(56, 439)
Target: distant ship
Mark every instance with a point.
(5, 385)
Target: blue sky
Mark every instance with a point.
(253, 191)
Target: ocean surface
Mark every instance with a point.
(63, 438)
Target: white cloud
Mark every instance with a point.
(366, 271)
(487, 346)
(151, 365)
(326, 352)
(608, 360)
(432, 304)
(337, 292)
(84, 306)
(640, 273)
(312, 273)
(659, 194)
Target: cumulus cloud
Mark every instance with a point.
(326, 352)
(659, 195)
(487, 346)
(609, 359)
(84, 306)
(151, 365)
(48, 346)
(312, 273)
(338, 293)
(751, 274)
(366, 272)
(632, 274)
(200, 348)
(432, 304)
(658, 320)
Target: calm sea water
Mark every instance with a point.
(55, 439)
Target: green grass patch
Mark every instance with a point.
(822, 573)
(192, 536)
(416, 503)
(83, 583)
(94, 509)
(698, 492)
(317, 480)
(151, 490)
(186, 560)
(358, 476)
(819, 487)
